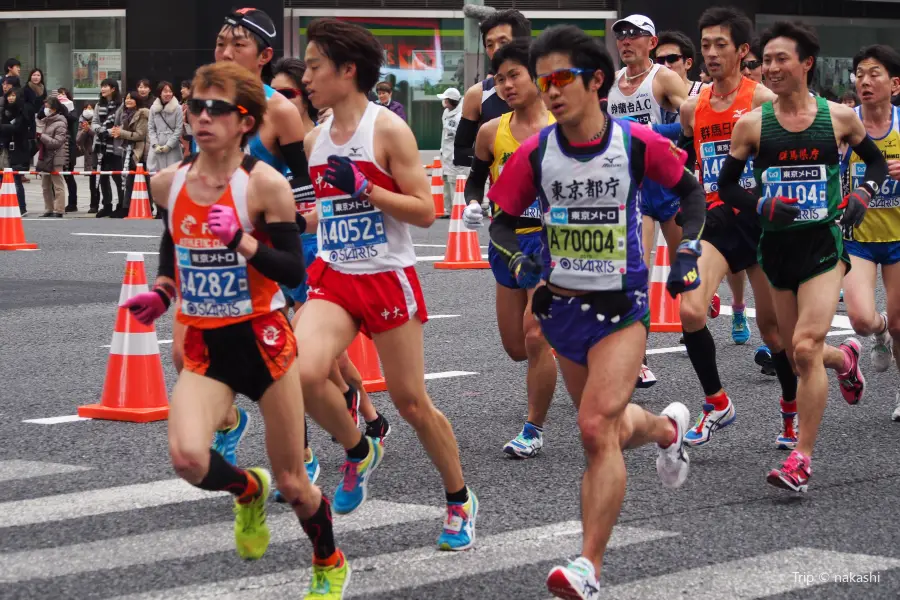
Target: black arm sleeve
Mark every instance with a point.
(166, 249)
(687, 144)
(295, 158)
(283, 262)
(876, 165)
(477, 178)
(503, 235)
(464, 143)
(693, 206)
(730, 190)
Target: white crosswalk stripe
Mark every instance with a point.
(25, 469)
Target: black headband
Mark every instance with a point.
(242, 19)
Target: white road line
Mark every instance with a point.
(841, 321)
(12, 470)
(755, 577)
(673, 349)
(120, 235)
(442, 316)
(175, 544)
(429, 258)
(437, 246)
(107, 346)
(445, 375)
(57, 420)
(132, 252)
(385, 573)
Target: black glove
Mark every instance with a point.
(778, 210)
(855, 205)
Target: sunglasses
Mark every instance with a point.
(624, 34)
(669, 58)
(214, 108)
(751, 64)
(289, 93)
(560, 78)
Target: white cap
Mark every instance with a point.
(450, 94)
(640, 21)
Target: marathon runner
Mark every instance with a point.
(796, 166)
(877, 240)
(520, 332)
(230, 238)
(594, 309)
(730, 238)
(676, 51)
(370, 186)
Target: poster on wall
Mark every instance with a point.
(90, 67)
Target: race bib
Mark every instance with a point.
(889, 194)
(534, 211)
(351, 230)
(214, 283)
(712, 157)
(589, 240)
(808, 184)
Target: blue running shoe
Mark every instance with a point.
(709, 421)
(312, 470)
(763, 357)
(353, 489)
(740, 329)
(527, 444)
(226, 441)
(459, 528)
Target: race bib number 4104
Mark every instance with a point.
(808, 184)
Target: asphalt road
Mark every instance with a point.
(92, 509)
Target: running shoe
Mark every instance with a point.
(673, 463)
(527, 444)
(226, 441)
(763, 357)
(352, 397)
(459, 528)
(896, 415)
(312, 471)
(329, 582)
(646, 379)
(853, 384)
(378, 430)
(710, 420)
(740, 328)
(793, 475)
(715, 307)
(353, 489)
(788, 438)
(882, 354)
(576, 581)
(251, 532)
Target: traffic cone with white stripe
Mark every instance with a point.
(463, 250)
(364, 356)
(135, 388)
(12, 235)
(664, 310)
(437, 187)
(140, 198)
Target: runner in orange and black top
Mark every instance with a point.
(730, 238)
(231, 237)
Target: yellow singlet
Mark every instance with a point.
(882, 222)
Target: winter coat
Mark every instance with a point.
(396, 108)
(53, 154)
(14, 131)
(134, 135)
(165, 128)
(84, 141)
(106, 116)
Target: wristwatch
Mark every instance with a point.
(692, 245)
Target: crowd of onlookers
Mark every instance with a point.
(42, 131)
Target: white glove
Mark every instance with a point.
(472, 216)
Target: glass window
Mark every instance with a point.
(97, 54)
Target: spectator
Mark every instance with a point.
(108, 151)
(849, 98)
(15, 148)
(751, 65)
(35, 93)
(704, 74)
(452, 101)
(53, 155)
(188, 135)
(13, 67)
(131, 130)
(385, 91)
(62, 94)
(6, 84)
(144, 91)
(164, 131)
(84, 144)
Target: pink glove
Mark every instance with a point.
(223, 222)
(149, 306)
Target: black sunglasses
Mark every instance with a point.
(289, 93)
(751, 64)
(214, 108)
(632, 32)
(669, 58)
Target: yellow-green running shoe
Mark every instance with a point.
(329, 582)
(251, 533)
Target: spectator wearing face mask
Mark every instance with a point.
(84, 142)
(53, 155)
(15, 141)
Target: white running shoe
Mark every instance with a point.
(882, 354)
(896, 415)
(673, 463)
(576, 581)
(646, 379)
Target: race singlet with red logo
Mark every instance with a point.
(712, 138)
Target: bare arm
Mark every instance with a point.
(745, 135)
(484, 142)
(850, 129)
(286, 120)
(413, 204)
(687, 116)
(761, 95)
(672, 92)
(160, 185)
(471, 109)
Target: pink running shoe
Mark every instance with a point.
(853, 384)
(715, 306)
(793, 475)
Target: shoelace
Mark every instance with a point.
(350, 471)
(319, 583)
(792, 466)
(454, 510)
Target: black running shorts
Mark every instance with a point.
(735, 236)
(792, 257)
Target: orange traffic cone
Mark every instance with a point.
(12, 235)
(364, 356)
(463, 251)
(140, 199)
(437, 187)
(664, 310)
(135, 389)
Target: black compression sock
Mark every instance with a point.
(786, 376)
(701, 349)
(377, 422)
(225, 477)
(319, 529)
(460, 497)
(359, 451)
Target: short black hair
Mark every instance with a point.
(12, 62)
(850, 95)
(684, 43)
(584, 52)
(886, 55)
(739, 24)
(294, 68)
(803, 35)
(347, 43)
(516, 51)
(755, 50)
(521, 27)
